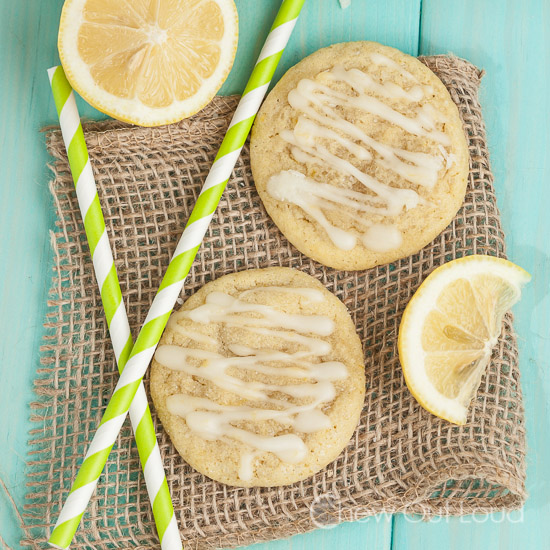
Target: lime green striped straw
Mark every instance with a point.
(117, 318)
(175, 275)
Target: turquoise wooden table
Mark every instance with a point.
(509, 39)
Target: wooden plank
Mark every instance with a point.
(510, 40)
(322, 22)
(28, 48)
(368, 534)
(29, 32)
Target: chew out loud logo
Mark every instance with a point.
(327, 510)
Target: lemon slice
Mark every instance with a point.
(148, 62)
(449, 328)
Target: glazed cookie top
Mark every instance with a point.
(259, 378)
(359, 155)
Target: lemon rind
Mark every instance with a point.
(135, 112)
(410, 330)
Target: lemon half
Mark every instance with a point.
(148, 62)
(450, 327)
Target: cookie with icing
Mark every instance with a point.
(359, 155)
(259, 378)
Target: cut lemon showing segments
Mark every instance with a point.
(449, 328)
(148, 62)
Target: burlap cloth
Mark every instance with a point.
(401, 458)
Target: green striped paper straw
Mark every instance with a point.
(179, 267)
(117, 321)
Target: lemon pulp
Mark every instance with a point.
(450, 327)
(148, 61)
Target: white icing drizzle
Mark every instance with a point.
(214, 421)
(313, 198)
(192, 334)
(320, 121)
(246, 469)
(380, 237)
(383, 60)
(311, 294)
(221, 307)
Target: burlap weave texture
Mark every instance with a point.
(401, 458)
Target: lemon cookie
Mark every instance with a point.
(259, 378)
(359, 155)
